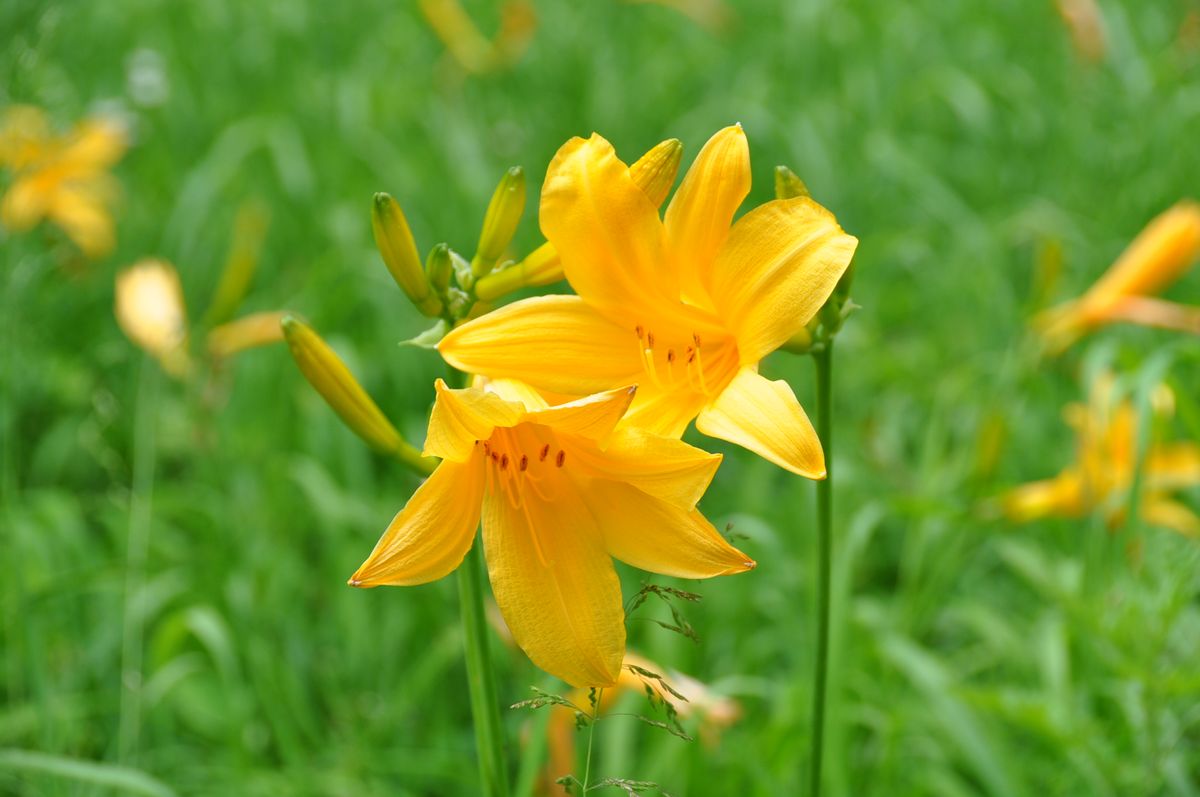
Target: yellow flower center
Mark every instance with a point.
(673, 358)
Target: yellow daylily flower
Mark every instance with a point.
(1160, 254)
(685, 306)
(560, 491)
(61, 178)
(1105, 468)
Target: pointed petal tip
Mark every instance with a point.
(353, 581)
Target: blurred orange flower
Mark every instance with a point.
(63, 179)
(1164, 250)
(715, 712)
(1105, 468)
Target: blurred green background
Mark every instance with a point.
(958, 140)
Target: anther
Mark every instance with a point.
(639, 331)
(504, 462)
(495, 457)
(545, 452)
(691, 355)
(696, 339)
(560, 459)
(524, 462)
(670, 355)
(487, 449)
(650, 340)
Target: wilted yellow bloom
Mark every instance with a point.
(1105, 468)
(1163, 251)
(685, 306)
(61, 178)
(151, 312)
(560, 492)
(716, 712)
(248, 332)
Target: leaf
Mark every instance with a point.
(96, 773)
(430, 338)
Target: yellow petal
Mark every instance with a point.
(765, 417)
(24, 205)
(430, 536)
(461, 418)
(663, 411)
(1171, 515)
(593, 417)
(1174, 466)
(701, 212)
(95, 145)
(662, 467)
(555, 343)
(1166, 248)
(515, 390)
(555, 585)
(1062, 496)
(653, 535)
(83, 216)
(606, 231)
(779, 265)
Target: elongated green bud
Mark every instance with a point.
(500, 223)
(438, 268)
(326, 372)
(542, 267)
(655, 171)
(788, 185)
(249, 232)
(399, 251)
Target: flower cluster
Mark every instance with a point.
(566, 444)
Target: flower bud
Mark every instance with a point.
(249, 232)
(257, 329)
(500, 222)
(542, 267)
(399, 251)
(438, 268)
(326, 372)
(788, 185)
(655, 171)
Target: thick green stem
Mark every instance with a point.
(824, 361)
(489, 733)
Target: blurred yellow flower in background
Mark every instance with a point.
(1105, 468)
(1161, 253)
(151, 312)
(61, 178)
(560, 491)
(473, 51)
(685, 307)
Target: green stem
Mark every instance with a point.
(489, 733)
(137, 547)
(587, 766)
(824, 362)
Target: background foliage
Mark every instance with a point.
(960, 141)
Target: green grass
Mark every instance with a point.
(956, 139)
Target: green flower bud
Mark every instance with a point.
(399, 251)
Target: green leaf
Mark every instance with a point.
(430, 338)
